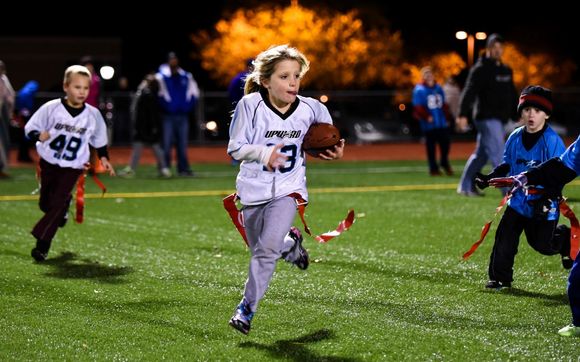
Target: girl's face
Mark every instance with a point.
(77, 90)
(284, 84)
(534, 119)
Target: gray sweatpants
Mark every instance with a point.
(266, 228)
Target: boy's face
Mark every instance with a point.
(77, 90)
(534, 119)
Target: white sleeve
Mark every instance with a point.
(322, 114)
(192, 88)
(241, 145)
(99, 137)
(259, 153)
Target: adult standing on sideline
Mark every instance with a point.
(490, 97)
(431, 110)
(7, 98)
(178, 93)
(24, 106)
(94, 97)
(146, 120)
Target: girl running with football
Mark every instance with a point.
(266, 134)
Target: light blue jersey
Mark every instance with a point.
(571, 157)
(549, 145)
(432, 99)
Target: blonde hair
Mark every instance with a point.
(75, 69)
(265, 63)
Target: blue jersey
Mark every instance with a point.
(570, 158)
(549, 145)
(433, 99)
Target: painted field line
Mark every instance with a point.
(203, 193)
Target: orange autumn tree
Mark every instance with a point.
(444, 65)
(538, 68)
(343, 53)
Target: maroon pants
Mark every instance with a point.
(56, 184)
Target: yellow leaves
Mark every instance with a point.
(342, 53)
(538, 68)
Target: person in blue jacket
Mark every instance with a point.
(536, 211)
(430, 109)
(237, 84)
(178, 93)
(23, 109)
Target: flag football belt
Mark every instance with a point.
(238, 218)
(80, 195)
(564, 210)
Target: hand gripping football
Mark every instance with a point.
(319, 138)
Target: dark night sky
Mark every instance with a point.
(425, 28)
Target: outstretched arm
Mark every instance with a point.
(552, 173)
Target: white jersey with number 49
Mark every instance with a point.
(70, 136)
(257, 122)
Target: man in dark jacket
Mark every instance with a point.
(489, 97)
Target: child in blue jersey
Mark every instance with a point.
(430, 109)
(534, 212)
(554, 174)
(266, 134)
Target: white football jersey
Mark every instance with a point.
(257, 122)
(70, 137)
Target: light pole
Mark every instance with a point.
(470, 43)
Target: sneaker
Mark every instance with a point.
(127, 172)
(567, 262)
(38, 255)
(494, 284)
(570, 331)
(435, 173)
(448, 171)
(186, 174)
(242, 318)
(303, 260)
(473, 193)
(165, 173)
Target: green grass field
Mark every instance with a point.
(157, 268)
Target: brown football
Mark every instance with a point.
(319, 138)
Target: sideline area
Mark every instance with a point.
(405, 151)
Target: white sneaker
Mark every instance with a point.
(165, 173)
(127, 172)
(569, 331)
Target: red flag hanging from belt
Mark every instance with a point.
(485, 229)
(80, 195)
(565, 210)
(238, 219)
